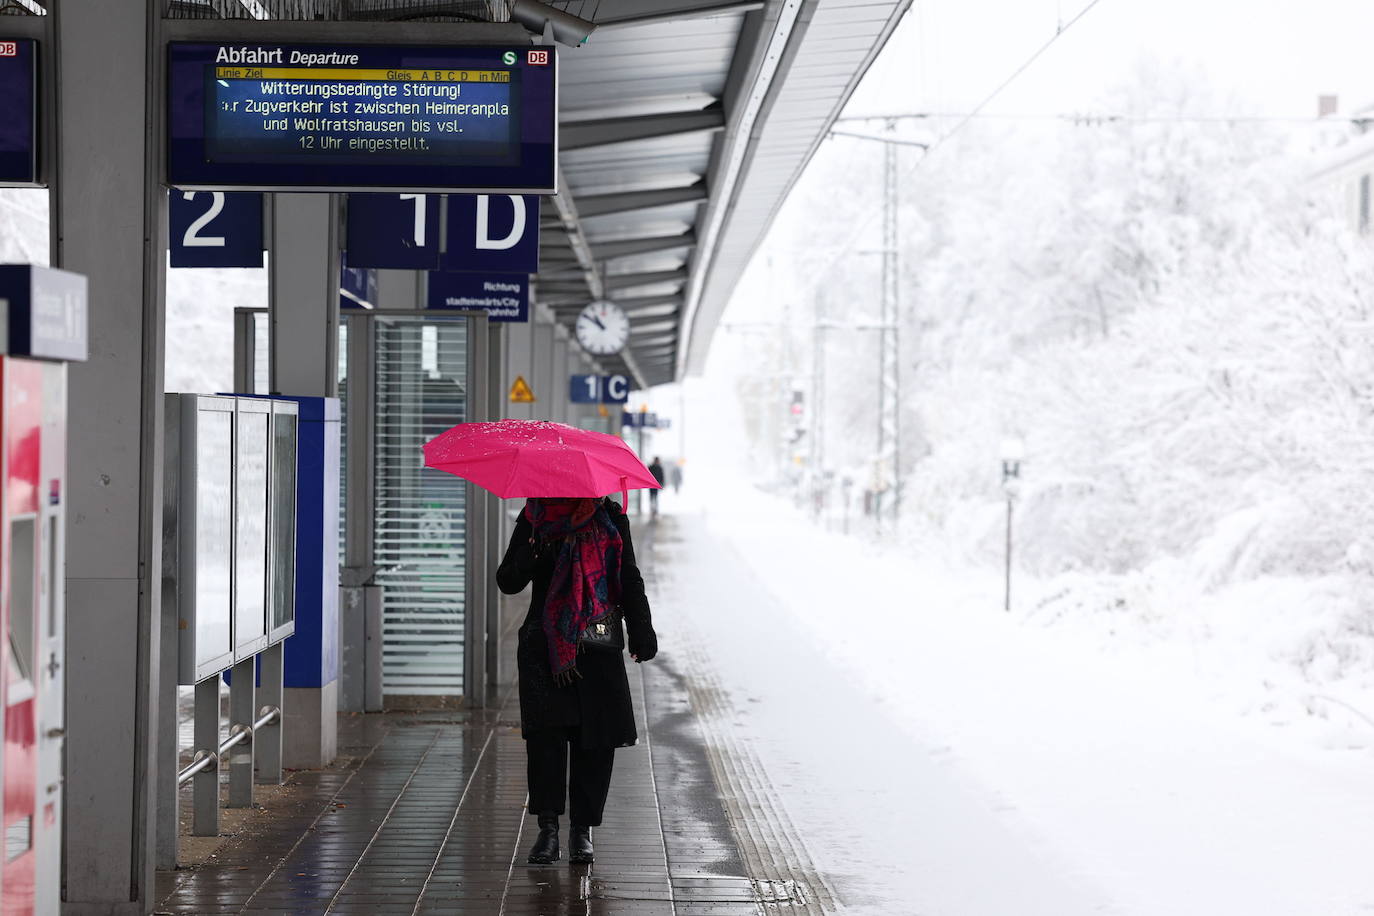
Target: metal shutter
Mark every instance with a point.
(419, 533)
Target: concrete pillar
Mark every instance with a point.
(541, 370)
(304, 289)
(399, 289)
(519, 347)
(560, 400)
(109, 223)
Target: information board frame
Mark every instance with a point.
(22, 169)
(188, 138)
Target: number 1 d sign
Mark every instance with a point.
(493, 232)
(394, 231)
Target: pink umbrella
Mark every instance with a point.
(524, 458)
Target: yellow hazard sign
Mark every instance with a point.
(521, 392)
(602, 411)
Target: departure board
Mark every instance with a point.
(368, 117)
(18, 112)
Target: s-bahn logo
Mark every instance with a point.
(11, 49)
(537, 58)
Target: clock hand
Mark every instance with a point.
(599, 323)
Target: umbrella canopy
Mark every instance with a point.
(525, 458)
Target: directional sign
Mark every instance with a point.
(396, 231)
(638, 420)
(496, 233)
(504, 297)
(521, 392)
(43, 312)
(18, 112)
(270, 116)
(214, 228)
(599, 389)
(357, 287)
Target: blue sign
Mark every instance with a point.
(214, 229)
(493, 233)
(18, 112)
(365, 117)
(599, 389)
(44, 312)
(395, 231)
(357, 286)
(504, 297)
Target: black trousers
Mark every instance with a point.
(548, 753)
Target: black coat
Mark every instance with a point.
(600, 700)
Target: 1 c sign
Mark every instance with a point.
(599, 389)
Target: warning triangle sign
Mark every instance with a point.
(520, 392)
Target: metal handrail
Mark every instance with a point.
(238, 734)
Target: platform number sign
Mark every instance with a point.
(599, 389)
(215, 229)
(397, 231)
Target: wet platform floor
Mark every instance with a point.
(424, 813)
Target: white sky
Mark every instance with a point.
(1277, 54)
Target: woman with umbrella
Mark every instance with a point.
(573, 543)
(574, 697)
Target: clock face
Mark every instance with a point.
(603, 328)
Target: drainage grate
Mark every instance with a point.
(770, 893)
(780, 893)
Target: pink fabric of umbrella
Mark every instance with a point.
(525, 458)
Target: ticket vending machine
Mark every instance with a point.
(42, 326)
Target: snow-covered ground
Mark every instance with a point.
(945, 757)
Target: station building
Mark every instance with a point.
(560, 226)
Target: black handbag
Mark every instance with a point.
(605, 635)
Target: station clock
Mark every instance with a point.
(603, 329)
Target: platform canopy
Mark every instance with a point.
(684, 124)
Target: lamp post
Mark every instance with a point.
(1013, 453)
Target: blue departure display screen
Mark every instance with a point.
(367, 117)
(18, 112)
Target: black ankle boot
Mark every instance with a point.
(581, 840)
(545, 848)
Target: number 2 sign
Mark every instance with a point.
(215, 229)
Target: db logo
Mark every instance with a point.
(11, 49)
(537, 58)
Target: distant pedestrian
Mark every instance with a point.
(676, 477)
(574, 696)
(655, 468)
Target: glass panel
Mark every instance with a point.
(214, 533)
(283, 518)
(22, 597)
(262, 354)
(18, 838)
(250, 532)
(421, 377)
(343, 439)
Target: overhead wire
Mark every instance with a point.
(1062, 28)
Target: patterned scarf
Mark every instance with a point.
(585, 586)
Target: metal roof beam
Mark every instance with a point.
(635, 305)
(652, 327)
(629, 201)
(626, 248)
(618, 13)
(589, 134)
(630, 281)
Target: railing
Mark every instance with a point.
(238, 734)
